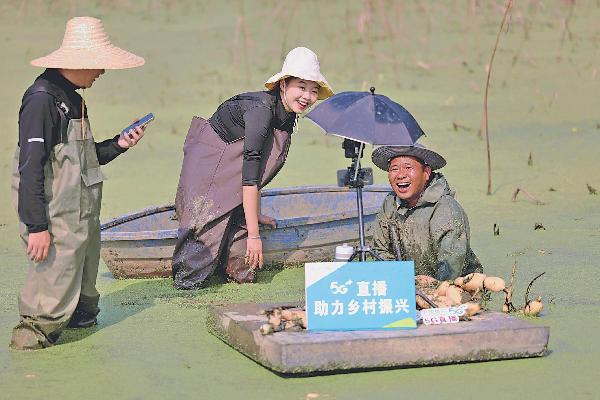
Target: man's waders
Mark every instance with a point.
(66, 279)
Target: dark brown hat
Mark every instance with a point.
(384, 154)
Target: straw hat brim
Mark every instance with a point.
(104, 57)
(324, 88)
(383, 155)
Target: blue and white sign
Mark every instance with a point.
(360, 295)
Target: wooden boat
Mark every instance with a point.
(311, 221)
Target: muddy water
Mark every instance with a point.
(151, 340)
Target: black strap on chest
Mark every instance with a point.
(59, 100)
(263, 98)
(269, 100)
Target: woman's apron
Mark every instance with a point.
(209, 204)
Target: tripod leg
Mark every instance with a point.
(376, 256)
(361, 225)
(353, 256)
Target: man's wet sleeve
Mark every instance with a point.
(257, 121)
(450, 231)
(38, 124)
(382, 243)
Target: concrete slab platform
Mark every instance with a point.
(489, 336)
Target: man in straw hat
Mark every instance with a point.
(432, 227)
(57, 185)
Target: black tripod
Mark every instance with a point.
(355, 177)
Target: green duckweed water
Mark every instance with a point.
(151, 341)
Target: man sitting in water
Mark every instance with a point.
(433, 229)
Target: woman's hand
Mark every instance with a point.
(254, 254)
(266, 220)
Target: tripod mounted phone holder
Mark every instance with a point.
(355, 177)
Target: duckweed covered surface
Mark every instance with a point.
(152, 342)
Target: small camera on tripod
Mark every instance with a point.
(351, 148)
(354, 177)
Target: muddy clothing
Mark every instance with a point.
(212, 233)
(252, 117)
(435, 233)
(66, 280)
(40, 129)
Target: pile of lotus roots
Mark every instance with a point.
(283, 318)
(473, 290)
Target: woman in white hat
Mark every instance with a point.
(227, 160)
(57, 185)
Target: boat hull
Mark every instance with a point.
(311, 222)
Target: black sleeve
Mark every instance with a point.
(39, 125)
(257, 121)
(108, 150)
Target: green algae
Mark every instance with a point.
(403, 323)
(152, 341)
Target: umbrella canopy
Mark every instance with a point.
(368, 118)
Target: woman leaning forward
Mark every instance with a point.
(227, 160)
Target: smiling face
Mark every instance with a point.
(298, 94)
(408, 178)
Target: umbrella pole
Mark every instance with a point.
(357, 169)
(359, 204)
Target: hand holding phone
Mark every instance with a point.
(131, 135)
(145, 120)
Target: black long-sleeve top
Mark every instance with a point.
(252, 116)
(39, 132)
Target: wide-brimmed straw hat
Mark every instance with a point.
(384, 154)
(86, 46)
(302, 63)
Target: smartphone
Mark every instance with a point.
(145, 120)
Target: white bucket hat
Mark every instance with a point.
(302, 63)
(86, 46)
